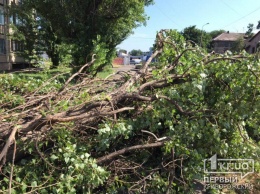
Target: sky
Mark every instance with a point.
(229, 15)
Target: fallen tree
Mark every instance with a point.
(149, 133)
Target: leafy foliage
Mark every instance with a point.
(79, 23)
(15, 86)
(25, 32)
(197, 36)
(202, 104)
(238, 45)
(135, 52)
(75, 171)
(200, 37)
(215, 33)
(250, 29)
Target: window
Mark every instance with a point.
(2, 18)
(14, 19)
(17, 46)
(223, 44)
(226, 44)
(2, 46)
(253, 50)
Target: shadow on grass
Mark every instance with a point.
(43, 74)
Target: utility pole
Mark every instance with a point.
(202, 33)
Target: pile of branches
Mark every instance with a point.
(32, 123)
(26, 122)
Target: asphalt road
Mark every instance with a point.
(130, 69)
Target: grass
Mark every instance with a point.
(42, 74)
(29, 80)
(45, 74)
(16, 85)
(106, 72)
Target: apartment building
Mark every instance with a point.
(9, 49)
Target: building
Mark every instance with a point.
(9, 58)
(225, 41)
(253, 43)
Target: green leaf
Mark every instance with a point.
(34, 184)
(66, 160)
(53, 157)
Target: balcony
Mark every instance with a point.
(2, 28)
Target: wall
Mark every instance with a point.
(252, 45)
(8, 57)
(222, 46)
(118, 61)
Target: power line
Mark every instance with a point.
(242, 17)
(232, 9)
(170, 4)
(167, 16)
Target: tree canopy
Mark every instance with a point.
(215, 33)
(136, 52)
(87, 25)
(197, 36)
(250, 29)
(200, 37)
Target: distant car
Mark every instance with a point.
(135, 61)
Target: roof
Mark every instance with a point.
(226, 36)
(252, 38)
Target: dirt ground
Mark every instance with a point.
(123, 68)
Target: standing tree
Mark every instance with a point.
(135, 52)
(122, 51)
(49, 41)
(215, 33)
(250, 29)
(24, 25)
(197, 36)
(238, 45)
(91, 26)
(34, 32)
